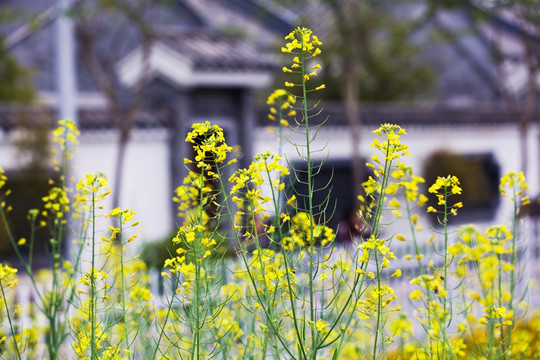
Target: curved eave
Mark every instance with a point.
(165, 63)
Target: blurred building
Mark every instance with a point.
(206, 62)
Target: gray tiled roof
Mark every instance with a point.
(88, 119)
(371, 115)
(209, 50)
(425, 116)
(188, 26)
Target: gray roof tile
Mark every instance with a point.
(209, 50)
(89, 119)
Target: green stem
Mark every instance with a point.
(196, 350)
(444, 325)
(305, 115)
(513, 261)
(266, 292)
(197, 326)
(379, 306)
(167, 315)
(25, 264)
(502, 338)
(93, 350)
(277, 208)
(11, 327)
(422, 273)
(375, 232)
(445, 224)
(123, 285)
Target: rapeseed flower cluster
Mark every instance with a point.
(443, 188)
(65, 133)
(20, 345)
(8, 276)
(304, 44)
(304, 230)
(3, 178)
(409, 182)
(391, 147)
(271, 274)
(84, 344)
(377, 299)
(431, 283)
(193, 248)
(374, 245)
(124, 216)
(94, 183)
(209, 146)
(189, 194)
(302, 41)
(251, 214)
(489, 253)
(515, 182)
(66, 136)
(56, 203)
(91, 188)
(281, 102)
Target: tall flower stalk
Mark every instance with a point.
(375, 249)
(53, 217)
(194, 264)
(92, 189)
(436, 285)
(304, 44)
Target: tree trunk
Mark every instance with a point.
(529, 110)
(345, 12)
(123, 140)
(350, 96)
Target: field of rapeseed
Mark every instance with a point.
(290, 292)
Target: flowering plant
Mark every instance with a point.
(291, 293)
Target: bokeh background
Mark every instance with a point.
(460, 76)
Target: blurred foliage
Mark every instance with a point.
(32, 143)
(30, 181)
(30, 186)
(17, 81)
(378, 39)
(388, 65)
(155, 252)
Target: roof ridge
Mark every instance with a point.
(511, 28)
(23, 32)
